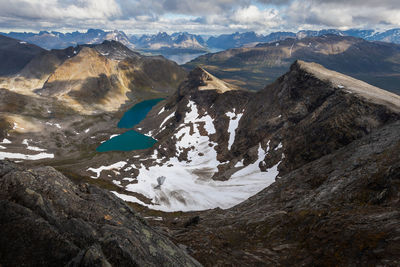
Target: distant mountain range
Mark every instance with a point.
(181, 40)
(162, 40)
(59, 40)
(235, 40)
(184, 40)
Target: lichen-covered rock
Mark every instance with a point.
(46, 220)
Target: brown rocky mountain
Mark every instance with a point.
(95, 78)
(376, 63)
(62, 104)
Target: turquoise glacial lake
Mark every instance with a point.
(131, 140)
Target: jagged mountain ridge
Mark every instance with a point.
(236, 40)
(162, 40)
(184, 40)
(230, 144)
(373, 62)
(59, 40)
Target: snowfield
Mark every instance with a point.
(189, 185)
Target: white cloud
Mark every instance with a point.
(253, 15)
(53, 9)
(343, 14)
(207, 16)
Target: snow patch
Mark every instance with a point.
(128, 198)
(15, 126)
(9, 155)
(239, 164)
(233, 124)
(33, 148)
(167, 118)
(118, 183)
(54, 124)
(161, 111)
(112, 136)
(5, 141)
(98, 171)
(279, 146)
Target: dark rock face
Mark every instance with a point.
(46, 220)
(14, 55)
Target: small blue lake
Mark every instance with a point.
(137, 113)
(131, 140)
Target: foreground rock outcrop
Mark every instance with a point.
(46, 220)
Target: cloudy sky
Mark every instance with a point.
(197, 16)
